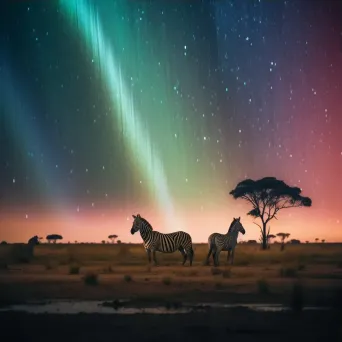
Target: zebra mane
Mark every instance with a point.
(231, 226)
(146, 222)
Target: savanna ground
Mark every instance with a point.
(309, 274)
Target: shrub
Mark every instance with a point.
(166, 281)
(127, 278)
(91, 279)
(263, 286)
(74, 269)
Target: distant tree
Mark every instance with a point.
(267, 196)
(53, 238)
(295, 242)
(317, 239)
(251, 242)
(3, 243)
(283, 237)
(76, 242)
(118, 242)
(103, 241)
(112, 237)
(270, 237)
(323, 240)
(306, 241)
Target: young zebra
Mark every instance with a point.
(225, 242)
(166, 243)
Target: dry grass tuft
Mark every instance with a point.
(127, 278)
(167, 281)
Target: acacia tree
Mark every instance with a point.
(54, 238)
(283, 236)
(270, 237)
(113, 237)
(269, 195)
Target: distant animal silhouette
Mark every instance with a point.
(33, 241)
(154, 241)
(225, 242)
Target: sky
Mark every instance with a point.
(110, 108)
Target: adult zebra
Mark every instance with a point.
(211, 240)
(154, 241)
(225, 242)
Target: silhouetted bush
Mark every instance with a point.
(127, 278)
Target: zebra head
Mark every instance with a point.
(137, 223)
(237, 227)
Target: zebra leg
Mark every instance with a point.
(208, 256)
(217, 257)
(149, 255)
(228, 255)
(181, 249)
(233, 252)
(154, 258)
(191, 255)
(214, 255)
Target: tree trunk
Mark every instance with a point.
(264, 237)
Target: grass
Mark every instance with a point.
(91, 279)
(134, 254)
(215, 271)
(288, 272)
(227, 273)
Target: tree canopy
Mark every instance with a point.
(54, 237)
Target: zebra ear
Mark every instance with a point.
(134, 216)
(238, 219)
(139, 215)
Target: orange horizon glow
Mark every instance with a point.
(95, 225)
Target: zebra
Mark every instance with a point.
(154, 241)
(211, 240)
(225, 242)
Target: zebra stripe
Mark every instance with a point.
(224, 242)
(154, 241)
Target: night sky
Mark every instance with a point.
(110, 108)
